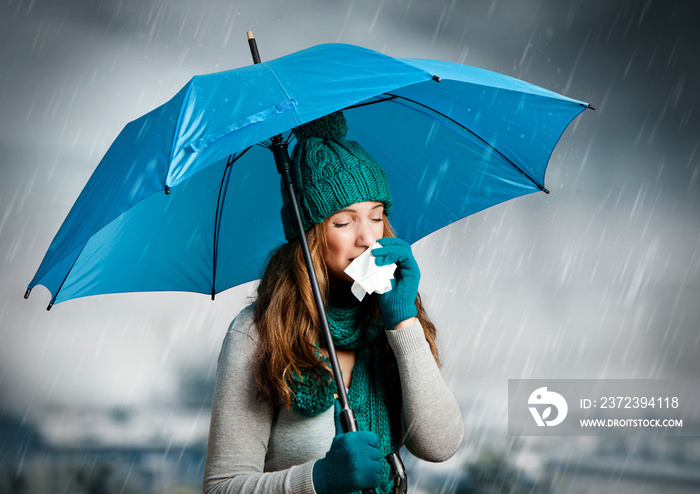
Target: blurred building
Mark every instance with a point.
(153, 450)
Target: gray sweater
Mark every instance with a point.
(255, 447)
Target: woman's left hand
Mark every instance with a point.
(399, 303)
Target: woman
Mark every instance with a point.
(274, 419)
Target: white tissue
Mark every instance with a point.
(369, 278)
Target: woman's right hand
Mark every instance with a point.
(353, 463)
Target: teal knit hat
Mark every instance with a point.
(331, 173)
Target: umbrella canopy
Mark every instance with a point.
(185, 200)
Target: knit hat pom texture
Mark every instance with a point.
(332, 126)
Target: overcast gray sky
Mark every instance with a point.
(598, 279)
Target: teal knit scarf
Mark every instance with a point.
(375, 390)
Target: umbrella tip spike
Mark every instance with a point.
(167, 190)
(545, 190)
(213, 294)
(437, 78)
(26, 294)
(253, 47)
(50, 305)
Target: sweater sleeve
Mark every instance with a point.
(240, 426)
(433, 424)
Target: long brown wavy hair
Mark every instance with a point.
(287, 319)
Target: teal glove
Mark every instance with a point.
(352, 464)
(399, 303)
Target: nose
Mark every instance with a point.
(365, 235)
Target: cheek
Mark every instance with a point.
(379, 230)
(337, 246)
(335, 256)
(334, 245)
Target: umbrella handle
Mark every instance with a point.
(398, 473)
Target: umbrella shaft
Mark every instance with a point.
(279, 150)
(283, 162)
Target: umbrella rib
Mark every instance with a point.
(217, 218)
(53, 299)
(367, 103)
(481, 139)
(177, 131)
(290, 137)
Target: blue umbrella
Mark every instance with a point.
(185, 199)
